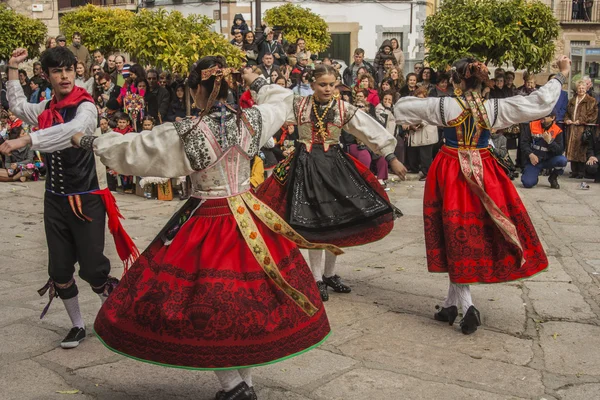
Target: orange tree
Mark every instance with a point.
(17, 30)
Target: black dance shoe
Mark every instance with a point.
(75, 336)
(240, 392)
(470, 321)
(446, 314)
(335, 282)
(323, 290)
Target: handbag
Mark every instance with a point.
(588, 135)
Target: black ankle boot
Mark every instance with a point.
(240, 392)
(470, 321)
(335, 282)
(446, 314)
(323, 290)
(553, 179)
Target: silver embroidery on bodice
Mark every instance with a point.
(222, 164)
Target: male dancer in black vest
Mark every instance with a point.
(75, 205)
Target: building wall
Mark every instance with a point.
(49, 14)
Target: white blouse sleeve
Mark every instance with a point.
(517, 109)
(366, 129)
(414, 110)
(20, 106)
(159, 152)
(275, 104)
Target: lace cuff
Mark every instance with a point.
(258, 84)
(87, 142)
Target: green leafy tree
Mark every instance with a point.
(17, 30)
(167, 39)
(103, 28)
(520, 32)
(300, 22)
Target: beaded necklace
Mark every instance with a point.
(321, 124)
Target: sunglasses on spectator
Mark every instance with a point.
(96, 69)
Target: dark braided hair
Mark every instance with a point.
(321, 70)
(469, 70)
(195, 77)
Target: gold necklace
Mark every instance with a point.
(321, 126)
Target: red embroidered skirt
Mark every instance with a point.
(460, 236)
(204, 302)
(329, 197)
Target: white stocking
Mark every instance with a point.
(463, 295)
(229, 379)
(330, 260)
(316, 257)
(72, 306)
(451, 299)
(102, 297)
(246, 374)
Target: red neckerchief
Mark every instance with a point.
(246, 100)
(123, 131)
(51, 115)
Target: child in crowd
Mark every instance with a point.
(124, 127)
(239, 25)
(148, 123)
(16, 164)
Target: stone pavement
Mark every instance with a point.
(540, 337)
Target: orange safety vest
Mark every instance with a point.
(537, 129)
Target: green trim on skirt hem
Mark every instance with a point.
(213, 369)
(494, 283)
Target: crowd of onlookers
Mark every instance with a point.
(130, 97)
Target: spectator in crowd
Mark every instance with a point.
(61, 40)
(301, 46)
(303, 87)
(50, 42)
(148, 123)
(269, 45)
(157, 97)
(560, 109)
(529, 86)
(136, 71)
(418, 68)
(24, 81)
(351, 73)
(111, 67)
(239, 25)
(165, 80)
(107, 91)
(40, 90)
(238, 40)
(177, 110)
(581, 110)
(267, 66)
(280, 80)
(303, 60)
(426, 79)
(388, 64)
(100, 60)
(395, 74)
(37, 69)
(385, 53)
(542, 145)
(81, 52)
(96, 69)
(499, 90)
(82, 77)
(387, 85)
(15, 163)
(420, 140)
(593, 154)
(509, 79)
(119, 64)
(250, 48)
(397, 50)
(442, 87)
(411, 85)
(366, 81)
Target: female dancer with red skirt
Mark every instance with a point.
(223, 286)
(476, 227)
(324, 194)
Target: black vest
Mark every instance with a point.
(70, 171)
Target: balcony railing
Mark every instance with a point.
(66, 4)
(578, 11)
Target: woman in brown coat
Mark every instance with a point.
(582, 109)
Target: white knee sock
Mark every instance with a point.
(72, 306)
(246, 374)
(330, 260)
(315, 257)
(229, 379)
(102, 297)
(463, 294)
(451, 299)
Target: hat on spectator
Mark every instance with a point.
(125, 71)
(61, 38)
